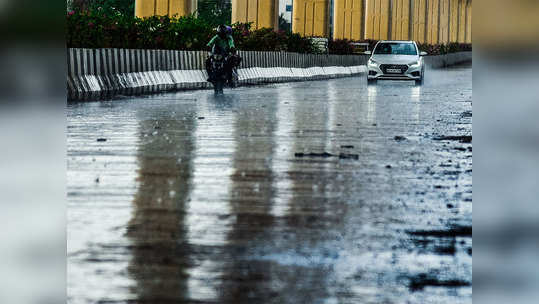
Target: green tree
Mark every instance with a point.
(215, 12)
(110, 7)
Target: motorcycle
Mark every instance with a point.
(218, 69)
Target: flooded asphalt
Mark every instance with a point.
(308, 192)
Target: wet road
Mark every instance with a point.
(312, 192)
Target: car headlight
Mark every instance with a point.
(414, 64)
(372, 62)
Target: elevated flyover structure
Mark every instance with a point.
(425, 21)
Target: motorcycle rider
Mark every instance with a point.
(222, 43)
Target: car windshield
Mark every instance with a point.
(395, 48)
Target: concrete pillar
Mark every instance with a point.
(262, 13)
(377, 21)
(462, 21)
(348, 19)
(444, 22)
(310, 17)
(400, 19)
(433, 21)
(147, 8)
(419, 20)
(469, 21)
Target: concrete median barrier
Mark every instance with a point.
(102, 73)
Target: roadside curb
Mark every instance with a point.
(92, 87)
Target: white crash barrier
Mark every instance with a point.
(102, 73)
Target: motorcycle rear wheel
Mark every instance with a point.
(218, 86)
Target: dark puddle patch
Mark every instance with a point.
(452, 231)
(399, 138)
(322, 155)
(448, 172)
(466, 114)
(422, 280)
(440, 246)
(347, 147)
(348, 156)
(327, 155)
(441, 187)
(101, 139)
(465, 139)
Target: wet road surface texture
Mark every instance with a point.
(309, 192)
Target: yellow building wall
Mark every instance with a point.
(377, 21)
(262, 13)
(469, 21)
(453, 20)
(147, 8)
(310, 17)
(347, 19)
(433, 10)
(444, 22)
(419, 20)
(462, 21)
(400, 20)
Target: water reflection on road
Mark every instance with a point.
(243, 198)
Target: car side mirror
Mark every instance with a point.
(367, 52)
(423, 54)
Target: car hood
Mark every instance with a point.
(395, 59)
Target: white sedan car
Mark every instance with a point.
(396, 60)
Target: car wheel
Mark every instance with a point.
(419, 81)
(371, 81)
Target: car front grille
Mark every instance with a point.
(402, 67)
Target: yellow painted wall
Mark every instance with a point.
(444, 22)
(377, 21)
(430, 21)
(462, 21)
(310, 17)
(419, 20)
(453, 20)
(262, 13)
(147, 8)
(433, 10)
(347, 19)
(469, 21)
(400, 20)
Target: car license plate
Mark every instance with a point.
(394, 71)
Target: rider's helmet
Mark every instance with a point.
(222, 31)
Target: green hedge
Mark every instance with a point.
(344, 46)
(96, 29)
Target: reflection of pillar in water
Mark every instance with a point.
(311, 179)
(372, 94)
(251, 203)
(416, 100)
(207, 213)
(157, 229)
(283, 151)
